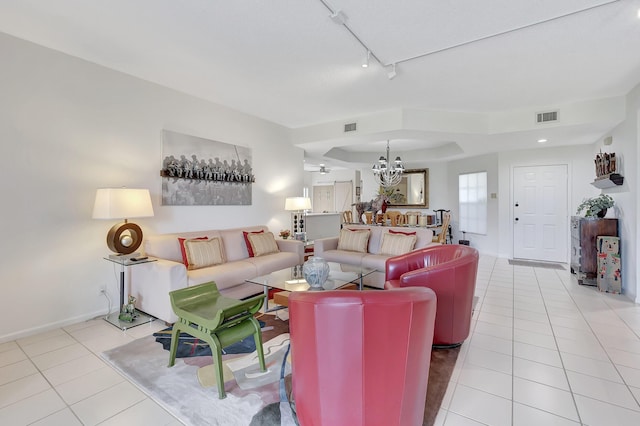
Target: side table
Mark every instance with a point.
(140, 318)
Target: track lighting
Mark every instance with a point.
(365, 62)
(338, 17)
(392, 74)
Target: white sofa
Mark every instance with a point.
(327, 248)
(150, 283)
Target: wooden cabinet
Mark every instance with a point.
(583, 245)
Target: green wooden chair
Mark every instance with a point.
(220, 321)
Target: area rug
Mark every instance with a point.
(180, 392)
(534, 264)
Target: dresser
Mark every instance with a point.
(584, 252)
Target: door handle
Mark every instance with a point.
(517, 219)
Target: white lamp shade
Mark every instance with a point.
(122, 203)
(297, 203)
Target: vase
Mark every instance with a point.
(602, 213)
(316, 272)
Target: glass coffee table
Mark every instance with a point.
(292, 279)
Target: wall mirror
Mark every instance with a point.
(412, 191)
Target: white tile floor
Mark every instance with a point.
(543, 351)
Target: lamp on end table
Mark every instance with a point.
(298, 205)
(125, 237)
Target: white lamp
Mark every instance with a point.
(297, 205)
(123, 203)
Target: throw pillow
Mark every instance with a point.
(203, 253)
(391, 231)
(262, 243)
(246, 240)
(354, 240)
(396, 244)
(182, 250)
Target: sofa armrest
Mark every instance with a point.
(323, 244)
(150, 284)
(293, 246)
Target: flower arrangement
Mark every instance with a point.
(285, 233)
(596, 206)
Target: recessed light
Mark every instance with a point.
(542, 141)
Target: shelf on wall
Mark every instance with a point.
(608, 181)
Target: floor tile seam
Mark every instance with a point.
(27, 397)
(603, 347)
(562, 364)
(466, 361)
(635, 410)
(597, 377)
(106, 389)
(491, 335)
(487, 391)
(579, 422)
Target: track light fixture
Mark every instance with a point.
(365, 63)
(392, 74)
(339, 17)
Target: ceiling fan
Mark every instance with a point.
(323, 170)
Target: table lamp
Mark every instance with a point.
(297, 205)
(123, 238)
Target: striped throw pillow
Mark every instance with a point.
(203, 253)
(262, 243)
(354, 240)
(396, 244)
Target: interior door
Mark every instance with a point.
(540, 226)
(343, 196)
(323, 198)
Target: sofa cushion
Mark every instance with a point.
(274, 262)
(181, 241)
(204, 252)
(262, 243)
(354, 240)
(344, 256)
(226, 275)
(394, 244)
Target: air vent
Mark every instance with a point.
(350, 127)
(546, 117)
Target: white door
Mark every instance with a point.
(323, 199)
(343, 196)
(540, 228)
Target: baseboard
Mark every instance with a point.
(51, 326)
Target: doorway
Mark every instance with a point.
(540, 219)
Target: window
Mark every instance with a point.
(472, 190)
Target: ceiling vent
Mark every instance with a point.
(350, 127)
(546, 117)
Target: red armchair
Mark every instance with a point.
(449, 270)
(361, 357)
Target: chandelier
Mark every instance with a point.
(388, 174)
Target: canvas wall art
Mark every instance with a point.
(198, 171)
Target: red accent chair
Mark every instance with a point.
(449, 270)
(361, 357)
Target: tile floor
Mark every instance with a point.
(543, 351)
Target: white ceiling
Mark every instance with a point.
(486, 65)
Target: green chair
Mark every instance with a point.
(220, 321)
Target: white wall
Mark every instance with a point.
(486, 244)
(68, 127)
(625, 144)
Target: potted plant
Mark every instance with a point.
(596, 206)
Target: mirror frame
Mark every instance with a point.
(425, 181)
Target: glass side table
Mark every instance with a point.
(139, 317)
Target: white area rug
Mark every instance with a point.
(178, 390)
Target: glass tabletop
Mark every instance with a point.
(292, 279)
